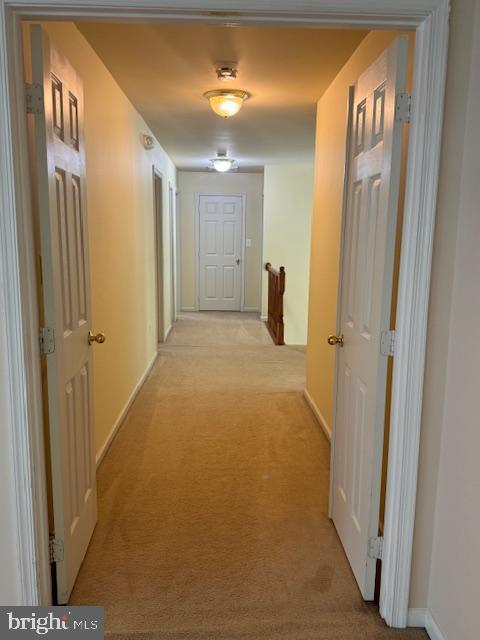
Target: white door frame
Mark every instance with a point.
(243, 225)
(159, 253)
(173, 251)
(178, 255)
(19, 390)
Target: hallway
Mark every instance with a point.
(213, 501)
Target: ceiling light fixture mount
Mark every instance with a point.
(226, 102)
(226, 71)
(222, 163)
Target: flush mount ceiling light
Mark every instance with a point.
(221, 163)
(226, 102)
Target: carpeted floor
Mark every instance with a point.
(212, 502)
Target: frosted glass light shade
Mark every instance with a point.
(222, 164)
(226, 103)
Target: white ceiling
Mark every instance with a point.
(165, 68)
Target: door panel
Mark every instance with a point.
(366, 284)
(228, 283)
(211, 282)
(60, 165)
(220, 251)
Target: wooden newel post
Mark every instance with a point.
(276, 289)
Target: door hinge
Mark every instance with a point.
(47, 340)
(55, 550)
(387, 343)
(34, 98)
(375, 548)
(403, 107)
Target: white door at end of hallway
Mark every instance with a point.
(220, 239)
(60, 168)
(370, 213)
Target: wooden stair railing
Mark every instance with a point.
(276, 289)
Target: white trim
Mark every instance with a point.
(244, 235)
(430, 20)
(202, 194)
(412, 311)
(423, 618)
(173, 251)
(159, 223)
(167, 333)
(251, 310)
(432, 628)
(263, 318)
(196, 243)
(262, 237)
(123, 413)
(318, 415)
(19, 315)
(188, 309)
(178, 238)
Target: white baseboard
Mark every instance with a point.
(432, 629)
(123, 414)
(416, 618)
(263, 318)
(318, 415)
(424, 619)
(187, 309)
(251, 310)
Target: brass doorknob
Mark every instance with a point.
(333, 340)
(237, 260)
(96, 337)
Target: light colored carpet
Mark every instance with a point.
(212, 502)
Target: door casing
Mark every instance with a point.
(159, 193)
(178, 255)
(197, 245)
(159, 213)
(21, 387)
(173, 253)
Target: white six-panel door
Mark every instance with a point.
(366, 286)
(220, 230)
(60, 165)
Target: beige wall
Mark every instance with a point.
(446, 573)
(193, 183)
(288, 193)
(121, 230)
(326, 221)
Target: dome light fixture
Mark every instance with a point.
(226, 102)
(222, 163)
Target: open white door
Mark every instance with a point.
(370, 214)
(60, 165)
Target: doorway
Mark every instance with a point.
(219, 247)
(159, 254)
(404, 300)
(173, 259)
